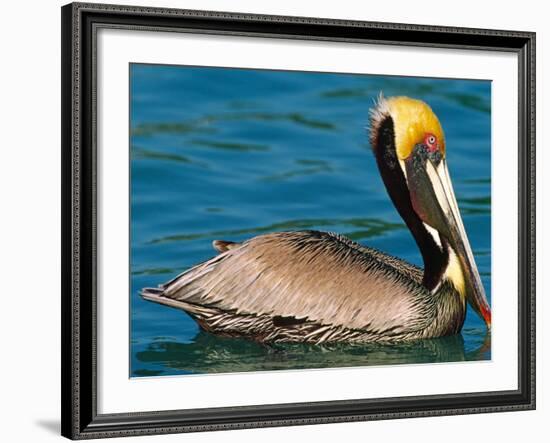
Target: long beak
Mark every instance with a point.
(434, 201)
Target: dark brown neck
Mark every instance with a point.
(435, 258)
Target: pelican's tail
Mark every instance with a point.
(157, 295)
(198, 312)
(151, 293)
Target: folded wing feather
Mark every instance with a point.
(319, 276)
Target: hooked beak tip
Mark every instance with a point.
(486, 313)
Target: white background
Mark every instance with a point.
(30, 233)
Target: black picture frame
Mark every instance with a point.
(79, 179)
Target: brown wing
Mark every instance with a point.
(311, 275)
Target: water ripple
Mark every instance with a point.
(477, 181)
(297, 173)
(466, 100)
(141, 153)
(204, 124)
(477, 201)
(150, 129)
(231, 146)
(371, 227)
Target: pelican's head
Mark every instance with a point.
(409, 145)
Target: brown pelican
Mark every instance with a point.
(321, 287)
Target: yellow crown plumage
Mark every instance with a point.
(412, 120)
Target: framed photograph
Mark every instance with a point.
(273, 221)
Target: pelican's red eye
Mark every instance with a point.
(430, 141)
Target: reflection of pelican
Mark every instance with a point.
(207, 353)
(319, 287)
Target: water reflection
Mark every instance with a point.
(207, 353)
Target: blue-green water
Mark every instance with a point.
(230, 154)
